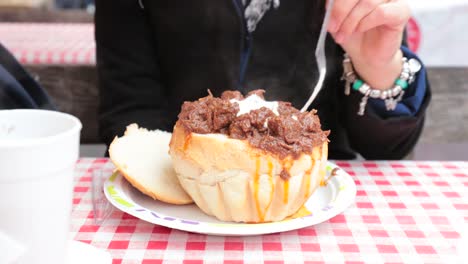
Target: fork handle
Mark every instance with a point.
(320, 52)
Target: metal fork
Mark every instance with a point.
(320, 57)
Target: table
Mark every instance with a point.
(50, 43)
(405, 212)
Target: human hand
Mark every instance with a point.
(371, 31)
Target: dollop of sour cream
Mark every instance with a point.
(255, 102)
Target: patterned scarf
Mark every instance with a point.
(256, 9)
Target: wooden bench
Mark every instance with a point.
(43, 15)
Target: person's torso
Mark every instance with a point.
(205, 44)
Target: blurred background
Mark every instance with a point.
(54, 40)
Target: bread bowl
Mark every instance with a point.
(247, 159)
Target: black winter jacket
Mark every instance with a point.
(152, 59)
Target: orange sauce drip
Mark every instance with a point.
(270, 180)
(188, 138)
(286, 192)
(324, 181)
(287, 164)
(256, 186)
(270, 169)
(308, 177)
(303, 211)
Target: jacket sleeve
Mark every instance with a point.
(129, 79)
(388, 135)
(18, 89)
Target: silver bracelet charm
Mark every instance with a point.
(391, 96)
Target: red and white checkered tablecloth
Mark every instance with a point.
(405, 212)
(49, 43)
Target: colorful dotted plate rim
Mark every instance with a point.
(341, 185)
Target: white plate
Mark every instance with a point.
(327, 202)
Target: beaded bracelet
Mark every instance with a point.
(391, 96)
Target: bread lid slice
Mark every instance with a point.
(143, 159)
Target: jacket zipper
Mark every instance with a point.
(246, 44)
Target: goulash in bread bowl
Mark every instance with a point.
(245, 159)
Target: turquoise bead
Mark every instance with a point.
(357, 84)
(402, 83)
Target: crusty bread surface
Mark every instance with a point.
(142, 158)
(233, 181)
